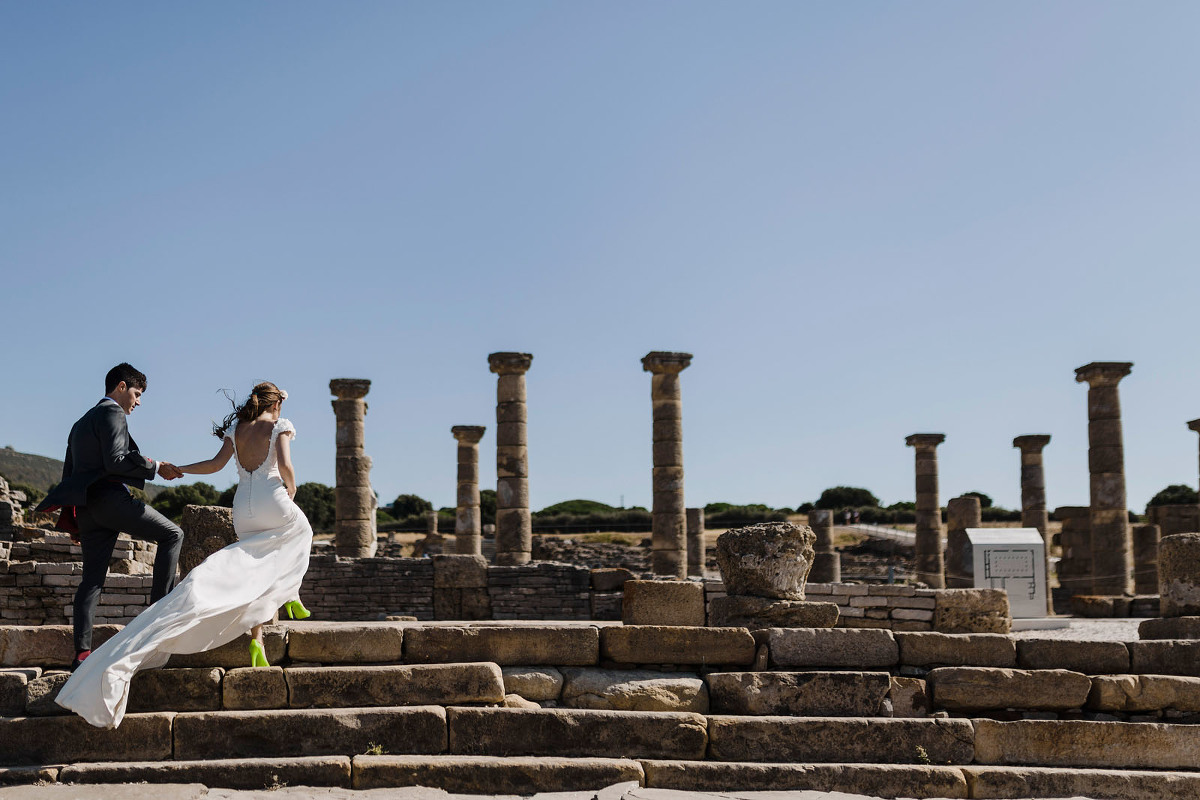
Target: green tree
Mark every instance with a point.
(847, 497)
(577, 507)
(487, 506)
(410, 505)
(1177, 494)
(804, 508)
(226, 498)
(33, 495)
(316, 501)
(170, 501)
(984, 500)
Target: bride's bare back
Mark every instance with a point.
(253, 442)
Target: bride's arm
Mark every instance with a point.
(214, 464)
(286, 471)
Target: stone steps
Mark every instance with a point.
(526, 775)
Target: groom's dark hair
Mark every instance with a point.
(124, 372)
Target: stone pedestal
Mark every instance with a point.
(354, 500)
(827, 562)
(1178, 589)
(1033, 495)
(1112, 545)
(1075, 541)
(514, 526)
(930, 565)
(1145, 558)
(206, 529)
(696, 551)
(961, 513)
(467, 519)
(668, 521)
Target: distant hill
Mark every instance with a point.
(41, 472)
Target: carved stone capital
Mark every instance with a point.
(349, 388)
(660, 362)
(1032, 442)
(509, 363)
(468, 434)
(1103, 373)
(924, 439)
(1194, 425)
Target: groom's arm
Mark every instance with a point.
(120, 459)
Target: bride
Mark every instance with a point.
(237, 588)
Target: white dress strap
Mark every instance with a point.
(283, 426)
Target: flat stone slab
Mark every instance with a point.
(304, 732)
(874, 780)
(236, 653)
(576, 732)
(755, 613)
(1170, 628)
(20, 776)
(802, 694)
(45, 645)
(663, 603)
(853, 648)
(634, 690)
(254, 688)
(533, 683)
(1165, 657)
(54, 740)
(956, 650)
(1108, 783)
(992, 688)
(118, 791)
(972, 611)
(346, 643)
(489, 775)
(197, 689)
(663, 644)
(1088, 657)
(239, 773)
(840, 740)
(407, 685)
(1075, 743)
(531, 645)
(1142, 693)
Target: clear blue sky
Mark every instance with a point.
(864, 219)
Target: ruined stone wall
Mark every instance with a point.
(541, 590)
(368, 588)
(862, 605)
(1175, 519)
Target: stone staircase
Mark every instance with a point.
(524, 708)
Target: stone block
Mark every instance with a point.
(40, 694)
(303, 732)
(533, 645)
(206, 529)
(576, 732)
(346, 643)
(44, 645)
(634, 690)
(19, 776)
(910, 697)
(992, 688)
(1075, 743)
(972, 611)
(802, 694)
(755, 613)
(459, 572)
(176, 690)
(490, 775)
(1179, 575)
(236, 653)
(610, 580)
(240, 773)
(663, 603)
(1114, 784)
(771, 559)
(1143, 693)
(12, 692)
(53, 740)
(871, 780)
(433, 684)
(853, 648)
(1165, 657)
(834, 740)
(255, 688)
(661, 644)
(919, 649)
(1088, 657)
(1170, 628)
(533, 683)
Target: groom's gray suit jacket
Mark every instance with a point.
(98, 448)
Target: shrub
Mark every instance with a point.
(847, 497)
(170, 501)
(1177, 494)
(316, 501)
(407, 505)
(984, 500)
(804, 508)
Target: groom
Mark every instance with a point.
(102, 461)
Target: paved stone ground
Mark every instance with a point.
(1111, 630)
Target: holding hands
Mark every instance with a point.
(168, 471)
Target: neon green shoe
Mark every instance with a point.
(258, 657)
(296, 610)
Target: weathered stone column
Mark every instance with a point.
(827, 562)
(1195, 425)
(930, 565)
(1112, 544)
(354, 500)
(1075, 566)
(1033, 495)
(467, 519)
(961, 513)
(1145, 558)
(695, 541)
(669, 539)
(514, 526)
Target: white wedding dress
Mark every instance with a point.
(233, 590)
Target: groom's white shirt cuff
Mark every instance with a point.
(115, 403)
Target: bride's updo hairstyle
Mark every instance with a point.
(262, 397)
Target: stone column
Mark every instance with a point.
(467, 518)
(668, 523)
(1075, 541)
(930, 564)
(695, 541)
(1145, 558)
(354, 500)
(1033, 495)
(827, 562)
(514, 526)
(1112, 544)
(1195, 425)
(961, 513)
